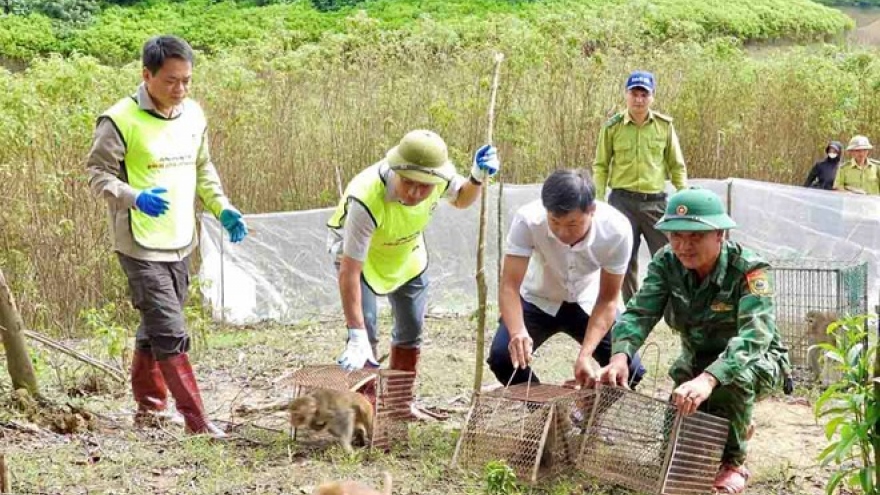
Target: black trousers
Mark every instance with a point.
(571, 320)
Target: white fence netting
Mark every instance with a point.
(283, 272)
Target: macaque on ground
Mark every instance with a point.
(352, 488)
(339, 412)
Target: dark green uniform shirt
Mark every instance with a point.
(726, 322)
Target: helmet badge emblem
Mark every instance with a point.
(681, 210)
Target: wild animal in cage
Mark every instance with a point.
(809, 294)
(390, 391)
(536, 429)
(644, 444)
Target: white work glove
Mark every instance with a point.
(357, 352)
(486, 163)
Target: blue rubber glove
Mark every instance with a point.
(486, 163)
(234, 224)
(150, 203)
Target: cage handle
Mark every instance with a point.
(654, 388)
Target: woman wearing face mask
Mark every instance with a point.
(823, 173)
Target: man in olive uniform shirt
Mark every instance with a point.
(861, 175)
(720, 299)
(637, 150)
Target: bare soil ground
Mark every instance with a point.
(248, 366)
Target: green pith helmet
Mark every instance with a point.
(421, 156)
(694, 209)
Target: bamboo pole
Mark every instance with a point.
(482, 289)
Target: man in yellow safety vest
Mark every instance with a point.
(377, 232)
(149, 160)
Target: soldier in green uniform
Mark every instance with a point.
(637, 150)
(861, 175)
(720, 300)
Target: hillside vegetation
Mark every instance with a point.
(116, 33)
(287, 111)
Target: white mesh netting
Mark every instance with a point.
(283, 271)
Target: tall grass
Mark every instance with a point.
(283, 123)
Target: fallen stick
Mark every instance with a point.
(113, 372)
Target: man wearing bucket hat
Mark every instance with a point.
(636, 151)
(861, 175)
(718, 296)
(378, 229)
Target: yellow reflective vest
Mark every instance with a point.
(161, 153)
(397, 251)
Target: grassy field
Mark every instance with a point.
(246, 366)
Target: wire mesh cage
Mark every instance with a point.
(537, 429)
(644, 444)
(811, 290)
(392, 390)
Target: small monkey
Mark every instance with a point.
(557, 437)
(339, 412)
(352, 488)
(817, 333)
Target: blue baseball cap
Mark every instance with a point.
(641, 79)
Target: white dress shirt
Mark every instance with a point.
(560, 273)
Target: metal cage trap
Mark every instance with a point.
(805, 287)
(393, 391)
(536, 429)
(644, 444)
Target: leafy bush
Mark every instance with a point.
(500, 479)
(74, 12)
(851, 407)
(330, 5)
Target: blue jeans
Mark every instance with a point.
(571, 320)
(408, 305)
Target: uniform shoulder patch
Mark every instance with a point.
(616, 118)
(663, 116)
(759, 282)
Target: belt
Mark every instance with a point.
(661, 196)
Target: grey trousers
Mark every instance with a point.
(158, 292)
(408, 305)
(643, 212)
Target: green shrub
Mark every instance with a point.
(330, 5)
(851, 407)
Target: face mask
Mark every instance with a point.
(832, 155)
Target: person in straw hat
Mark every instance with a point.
(718, 296)
(860, 175)
(377, 231)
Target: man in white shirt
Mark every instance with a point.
(564, 265)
